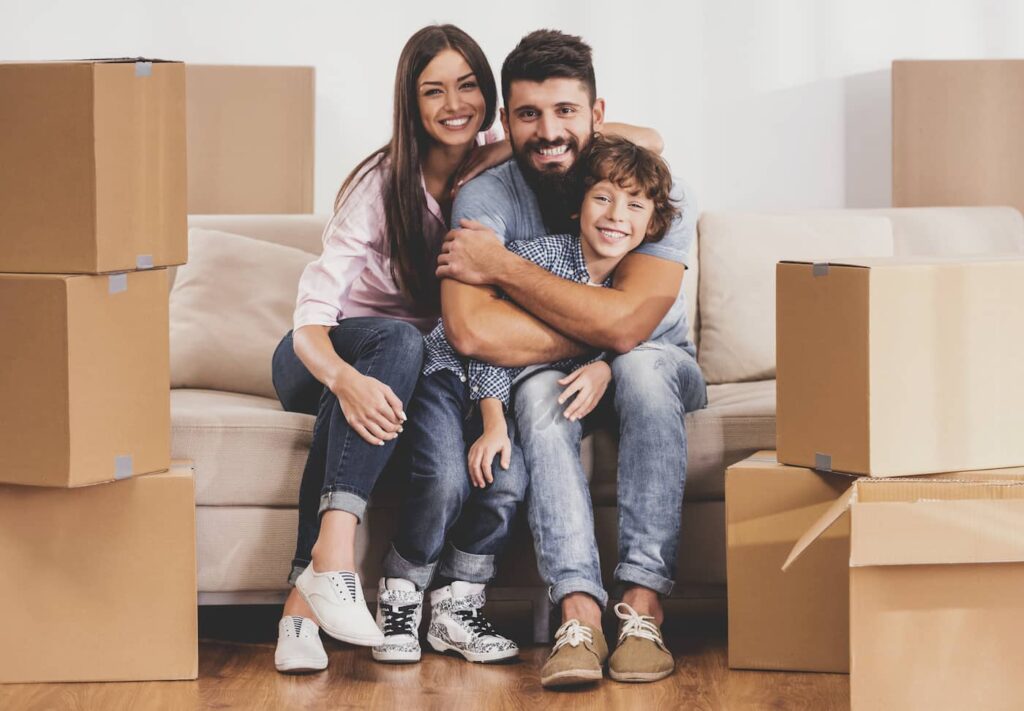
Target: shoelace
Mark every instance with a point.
(572, 633)
(398, 619)
(475, 620)
(636, 625)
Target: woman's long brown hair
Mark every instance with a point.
(412, 263)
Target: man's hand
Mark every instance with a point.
(472, 254)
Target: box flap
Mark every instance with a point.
(936, 532)
(837, 509)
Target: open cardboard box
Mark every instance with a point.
(936, 574)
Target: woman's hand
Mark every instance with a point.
(370, 407)
(480, 159)
(588, 383)
(492, 442)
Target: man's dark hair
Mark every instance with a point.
(549, 54)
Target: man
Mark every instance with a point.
(551, 112)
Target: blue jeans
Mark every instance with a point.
(654, 386)
(440, 502)
(342, 467)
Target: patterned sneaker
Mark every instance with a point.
(299, 648)
(577, 656)
(641, 654)
(399, 610)
(457, 623)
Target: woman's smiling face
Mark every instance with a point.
(451, 104)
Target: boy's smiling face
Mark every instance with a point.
(613, 220)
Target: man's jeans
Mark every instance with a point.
(655, 385)
(440, 502)
(342, 467)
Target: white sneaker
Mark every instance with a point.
(336, 599)
(299, 648)
(399, 611)
(457, 623)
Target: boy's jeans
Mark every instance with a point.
(655, 385)
(440, 503)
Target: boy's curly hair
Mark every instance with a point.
(632, 168)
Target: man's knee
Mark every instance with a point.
(653, 377)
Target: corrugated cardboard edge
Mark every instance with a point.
(837, 509)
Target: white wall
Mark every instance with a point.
(762, 103)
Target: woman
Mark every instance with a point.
(356, 349)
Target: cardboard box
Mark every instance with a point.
(797, 620)
(99, 583)
(250, 139)
(85, 381)
(92, 166)
(956, 133)
(936, 573)
(901, 366)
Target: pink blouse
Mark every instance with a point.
(352, 276)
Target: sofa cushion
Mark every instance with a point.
(229, 307)
(738, 254)
(927, 231)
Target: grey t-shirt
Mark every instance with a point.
(502, 199)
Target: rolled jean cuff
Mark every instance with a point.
(468, 567)
(297, 567)
(395, 566)
(631, 574)
(578, 585)
(343, 501)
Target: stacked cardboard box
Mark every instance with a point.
(92, 194)
(898, 389)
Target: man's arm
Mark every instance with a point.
(641, 135)
(615, 319)
(482, 326)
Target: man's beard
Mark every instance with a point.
(557, 191)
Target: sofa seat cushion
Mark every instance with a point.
(738, 421)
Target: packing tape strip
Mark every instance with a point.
(144, 261)
(123, 466)
(823, 462)
(143, 69)
(820, 269)
(117, 283)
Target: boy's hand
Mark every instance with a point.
(588, 383)
(493, 441)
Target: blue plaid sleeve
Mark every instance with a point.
(486, 380)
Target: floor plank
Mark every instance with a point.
(236, 672)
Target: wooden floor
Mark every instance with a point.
(236, 672)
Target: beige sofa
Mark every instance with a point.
(249, 454)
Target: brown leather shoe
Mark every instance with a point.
(577, 657)
(641, 654)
